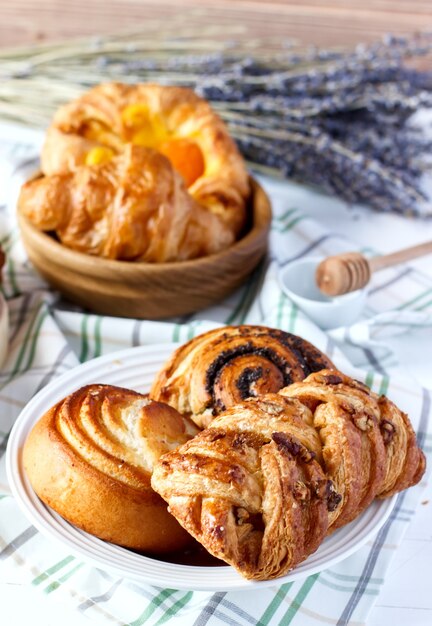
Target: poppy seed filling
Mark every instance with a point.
(215, 369)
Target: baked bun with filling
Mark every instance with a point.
(196, 164)
(222, 367)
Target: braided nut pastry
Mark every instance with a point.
(267, 480)
(132, 208)
(225, 366)
(90, 458)
(369, 446)
(250, 487)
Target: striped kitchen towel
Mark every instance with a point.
(48, 337)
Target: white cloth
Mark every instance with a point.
(47, 338)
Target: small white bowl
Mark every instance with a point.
(297, 280)
(4, 329)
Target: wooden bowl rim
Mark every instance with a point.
(93, 262)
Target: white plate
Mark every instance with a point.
(135, 368)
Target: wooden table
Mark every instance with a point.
(336, 22)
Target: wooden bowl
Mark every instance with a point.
(149, 290)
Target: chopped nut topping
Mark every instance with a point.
(388, 430)
(363, 421)
(244, 440)
(241, 515)
(307, 455)
(301, 491)
(287, 444)
(319, 488)
(271, 407)
(215, 435)
(332, 379)
(325, 490)
(333, 498)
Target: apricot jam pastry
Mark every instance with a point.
(172, 120)
(141, 128)
(156, 158)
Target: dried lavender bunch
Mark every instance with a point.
(336, 119)
(345, 127)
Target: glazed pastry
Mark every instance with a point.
(269, 478)
(224, 366)
(369, 446)
(90, 459)
(172, 120)
(250, 488)
(115, 211)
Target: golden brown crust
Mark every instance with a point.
(369, 445)
(176, 111)
(249, 487)
(90, 459)
(265, 482)
(405, 461)
(105, 117)
(224, 366)
(134, 207)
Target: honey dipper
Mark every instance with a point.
(347, 272)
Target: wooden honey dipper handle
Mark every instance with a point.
(347, 272)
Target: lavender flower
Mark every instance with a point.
(335, 119)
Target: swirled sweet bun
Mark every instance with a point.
(219, 368)
(133, 207)
(171, 120)
(90, 458)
